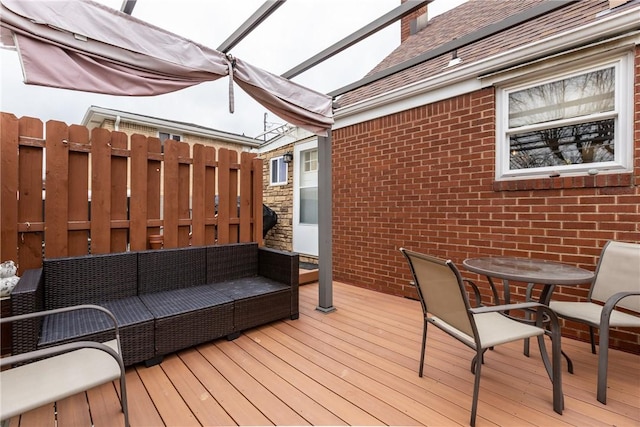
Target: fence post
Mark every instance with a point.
(120, 203)
(198, 196)
(78, 191)
(138, 216)
(100, 191)
(245, 196)
(30, 200)
(9, 188)
(223, 196)
(171, 193)
(56, 208)
(184, 193)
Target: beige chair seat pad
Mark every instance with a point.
(493, 329)
(31, 386)
(590, 312)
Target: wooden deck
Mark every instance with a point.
(356, 366)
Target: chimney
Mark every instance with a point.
(413, 23)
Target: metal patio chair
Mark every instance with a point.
(445, 305)
(39, 377)
(616, 285)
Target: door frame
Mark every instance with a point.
(302, 233)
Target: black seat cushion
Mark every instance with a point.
(80, 323)
(181, 301)
(249, 287)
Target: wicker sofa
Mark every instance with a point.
(164, 300)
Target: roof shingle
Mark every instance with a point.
(465, 19)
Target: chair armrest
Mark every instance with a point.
(27, 297)
(506, 307)
(611, 303)
(546, 312)
(476, 291)
(60, 349)
(33, 353)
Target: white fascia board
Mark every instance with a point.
(99, 114)
(465, 79)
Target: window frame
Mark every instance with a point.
(170, 135)
(622, 114)
(281, 180)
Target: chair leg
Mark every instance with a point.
(476, 388)
(474, 361)
(603, 360)
(592, 339)
(527, 316)
(424, 342)
(556, 369)
(123, 399)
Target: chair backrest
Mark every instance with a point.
(618, 270)
(441, 290)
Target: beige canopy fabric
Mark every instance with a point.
(85, 46)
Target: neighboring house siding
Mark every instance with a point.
(425, 179)
(135, 128)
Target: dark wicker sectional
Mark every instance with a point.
(164, 300)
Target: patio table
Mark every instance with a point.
(533, 272)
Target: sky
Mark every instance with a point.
(295, 32)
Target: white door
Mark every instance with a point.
(305, 198)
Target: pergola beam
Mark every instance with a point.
(384, 21)
(250, 24)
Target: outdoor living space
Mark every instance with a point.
(356, 366)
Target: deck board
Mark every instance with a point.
(355, 366)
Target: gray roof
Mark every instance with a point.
(467, 18)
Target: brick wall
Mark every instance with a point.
(424, 179)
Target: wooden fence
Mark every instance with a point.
(101, 192)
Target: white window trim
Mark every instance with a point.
(286, 173)
(623, 161)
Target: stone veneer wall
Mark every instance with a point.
(280, 199)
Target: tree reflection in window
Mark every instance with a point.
(565, 122)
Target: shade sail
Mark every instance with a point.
(82, 45)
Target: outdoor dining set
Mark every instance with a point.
(442, 293)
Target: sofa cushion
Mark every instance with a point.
(189, 316)
(233, 261)
(167, 269)
(249, 287)
(258, 300)
(61, 327)
(87, 279)
(181, 301)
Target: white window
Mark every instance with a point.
(279, 171)
(571, 123)
(163, 136)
